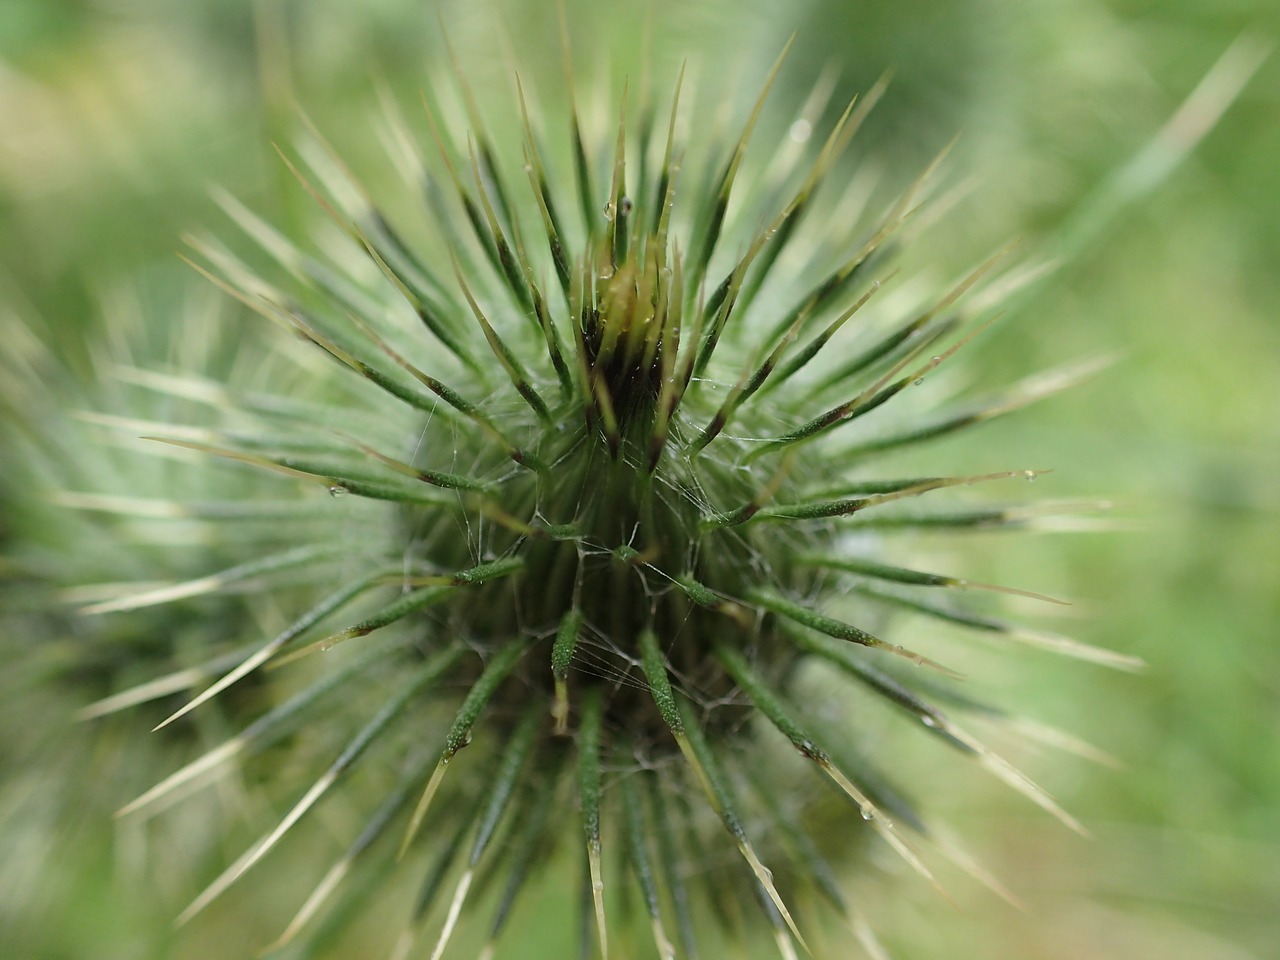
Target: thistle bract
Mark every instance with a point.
(600, 459)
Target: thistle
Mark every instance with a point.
(599, 445)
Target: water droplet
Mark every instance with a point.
(935, 359)
(337, 490)
(917, 381)
(1029, 474)
(528, 168)
(867, 813)
(928, 721)
(800, 130)
(624, 205)
(608, 210)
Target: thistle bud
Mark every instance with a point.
(589, 483)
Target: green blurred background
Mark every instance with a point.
(115, 116)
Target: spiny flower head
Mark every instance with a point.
(600, 455)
